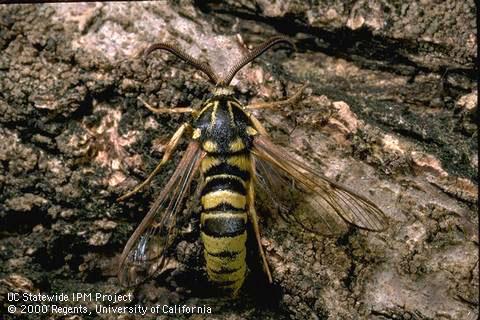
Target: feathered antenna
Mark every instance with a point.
(251, 56)
(202, 66)
(205, 66)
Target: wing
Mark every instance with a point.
(145, 252)
(307, 198)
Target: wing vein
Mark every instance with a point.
(332, 205)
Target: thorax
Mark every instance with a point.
(223, 127)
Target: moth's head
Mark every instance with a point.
(222, 85)
(222, 91)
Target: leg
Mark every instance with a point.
(261, 129)
(272, 104)
(165, 110)
(253, 218)
(258, 126)
(166, 156)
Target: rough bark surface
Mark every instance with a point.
(390, 111)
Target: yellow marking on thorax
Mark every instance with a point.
(208, 104)
(229, 176)
(196, 133)
(210, 146)
(213, 117)
(251, 131)
(241, 161)
(213, 199)
(237, 145)
(230, 111)
(236, 103)
(222, 215)
(209, 162)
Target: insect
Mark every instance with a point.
(231, 154)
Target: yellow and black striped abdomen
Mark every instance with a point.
(225, 133)
(224, 218)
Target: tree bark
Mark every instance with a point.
(389, 111)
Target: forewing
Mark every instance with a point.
(309, 199)
(145, 252)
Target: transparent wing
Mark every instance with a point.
(144, 254)
(307, 198)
